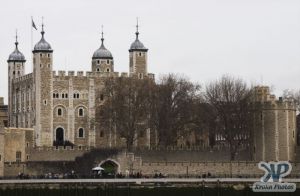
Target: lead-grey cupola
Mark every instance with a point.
(102, 52)
(137, 45)
(16, 55)
(42, 45)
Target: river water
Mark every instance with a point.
(157, 191)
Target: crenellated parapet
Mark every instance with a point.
(84, 74)
(89, 74)
(23, 78)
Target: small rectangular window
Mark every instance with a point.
(59, 112)
(18, 156)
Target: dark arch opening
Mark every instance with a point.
(60, 136)
(110, 168)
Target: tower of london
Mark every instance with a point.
(52, 117)
(61, 106)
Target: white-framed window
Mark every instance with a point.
(81, 133)
(107, 61)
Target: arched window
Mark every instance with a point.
(80, 112)
(55, 95)
(140, 76)
(107, 61)
(80, 132)
(76, 95)
(59, 112)
(107, 70)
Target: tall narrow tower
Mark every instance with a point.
(138, 57)
(102, 60)
(16, 68)
(43, 83)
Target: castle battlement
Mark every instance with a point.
(23, 78)
(86, 74)
(266, 101)
(124, 74)
(62, 148)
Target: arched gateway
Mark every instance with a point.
(110, 166)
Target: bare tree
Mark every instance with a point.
(127, 107)
(293, 95)
(173, 107)
(229, 98)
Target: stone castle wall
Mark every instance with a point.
(2, 152)
(274, 127)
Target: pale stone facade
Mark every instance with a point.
(1, 149)
(274, 127)
(3, 112)
(61, 107)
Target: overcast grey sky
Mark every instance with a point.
(258, 40)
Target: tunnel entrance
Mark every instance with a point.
(111, 168)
